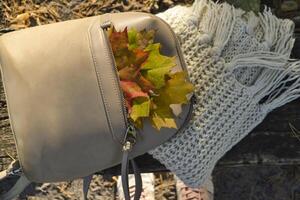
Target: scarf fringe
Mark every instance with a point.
(216, 21)
(278, 33)
(279, 81)
(285, 87)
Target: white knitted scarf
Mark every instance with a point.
(240, 66)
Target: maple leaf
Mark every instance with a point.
(137, 101)
(174, 92)
(157, 65)
(140, 39)
(119, 46)
(159, 122)
(157, 76)
(124, 56)
(128, 73)
(156, 60)
(145, 84)
(139, 57)
(118, 41)
(140, 108)
(132, 90)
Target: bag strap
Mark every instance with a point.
(22, 182)
(86, 185)
(124, 175)
(19, 186)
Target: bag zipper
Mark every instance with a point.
(130, 134)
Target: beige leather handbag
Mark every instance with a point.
(65, 105)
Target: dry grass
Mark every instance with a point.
(19, 14)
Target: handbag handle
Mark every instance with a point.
(129, 141)
(137, 177)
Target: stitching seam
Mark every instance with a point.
(99, 83)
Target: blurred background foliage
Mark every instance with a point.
(18, 14)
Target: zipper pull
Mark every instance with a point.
(105, 25)
(130, 138)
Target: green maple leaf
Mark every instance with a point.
(157, 66)
(157, 76)
(156, 60)
(162, 116)
(140, 39)
(140, 108)
(175, 91)
(159, 122)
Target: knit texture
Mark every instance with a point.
(239, 64)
